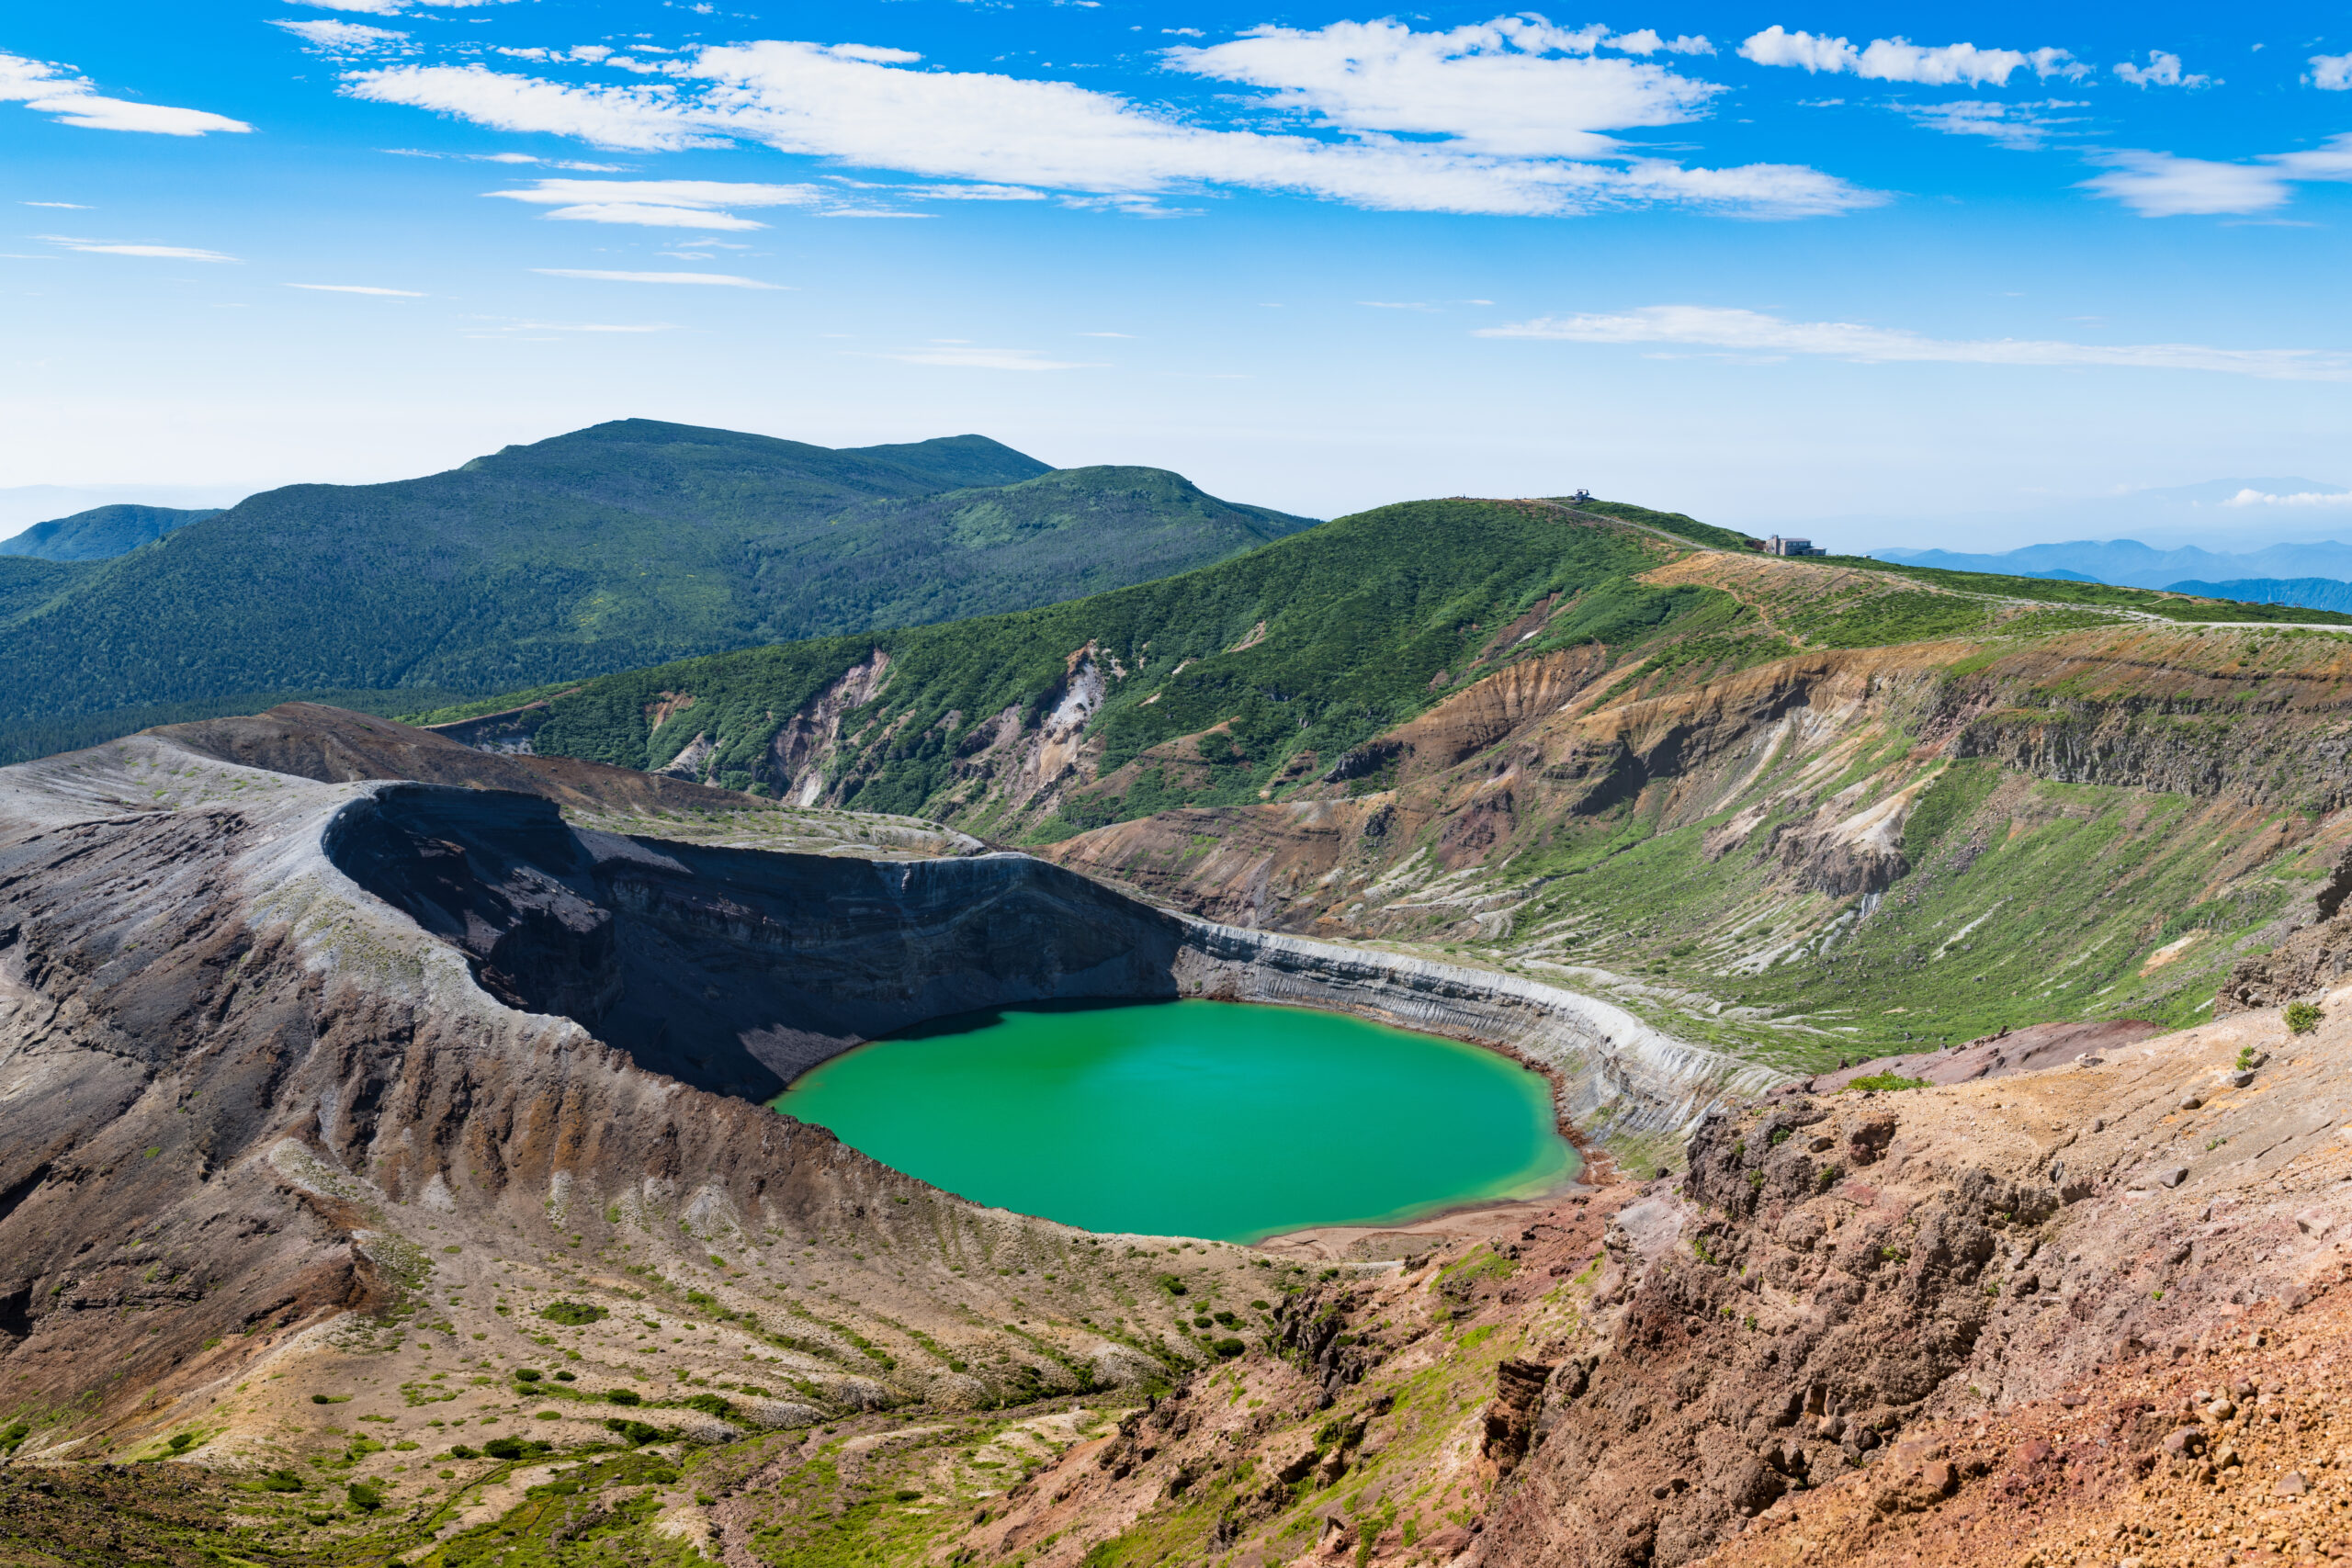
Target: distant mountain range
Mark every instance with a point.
(2218, 515)
(2127, 563)
(620, 545)
(2310, 592)
(102, 533)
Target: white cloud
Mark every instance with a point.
(965, 356)
(512, 158)
(70, 99)
(1646, 40)
(1513, 86)
(589, 327)
(1900, 59)
(1751, 331)
(664, 204)
(2163, 70)
(343, 39)
(709, 195)
(1420, 132)
(392, 7)
(2300, 498)
(2331, 73)
(357, 289)
(706, 279)
(165, 253)
(2020, 126)
(68, 206)
(645, 119)
(2158, 185)
(649, 216)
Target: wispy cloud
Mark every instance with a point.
(394, 7)
(664, 204)
(1900, 59)
(2159, 184)
(2019, 126)
(1507, 117)
(968, 357)
(2251, 497)
(345, 40)
(1751, 331)
(73, 99)
(2163, 70)
(165, 253)
(357, 289)
(68, 206)
(703, 279)
(517, 158)
(589, 327)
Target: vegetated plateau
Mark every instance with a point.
(625, 544)
(381, 1175)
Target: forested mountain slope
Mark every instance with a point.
(1802, 809)
(622, 545)
(101, 533)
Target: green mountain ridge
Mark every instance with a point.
(1794, 808)
(101, 533)
(626, 544)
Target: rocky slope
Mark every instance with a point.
(2083, 1314)
(268, 1143)
(1797, 810)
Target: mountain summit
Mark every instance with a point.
(621, 545)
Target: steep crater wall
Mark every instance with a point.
(736, 970)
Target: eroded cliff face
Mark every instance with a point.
(2072, 1314)
(296, 1071)
(1925, 842)
(261, 1129)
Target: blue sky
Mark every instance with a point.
(1774, 266)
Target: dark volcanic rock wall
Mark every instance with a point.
(734, 970)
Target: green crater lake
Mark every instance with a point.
(1220, 1120)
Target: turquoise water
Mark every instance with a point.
(1192, 1118)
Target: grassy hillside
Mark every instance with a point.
(624, 545)
(1802, 809)
(1349, 629)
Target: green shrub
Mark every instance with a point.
(906, 1494)
(462, 1450)
(1228, 1348)
(1887, 1082)
(364, 1496)
(710, 1405)
(526, 1374)
(633, 1433)
(623, 1397)
(2303, 1017)
(573, 1314)
(281, 1481)
(505, 1448)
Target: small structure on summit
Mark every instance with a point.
(1580, 497)
(1777, 545)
